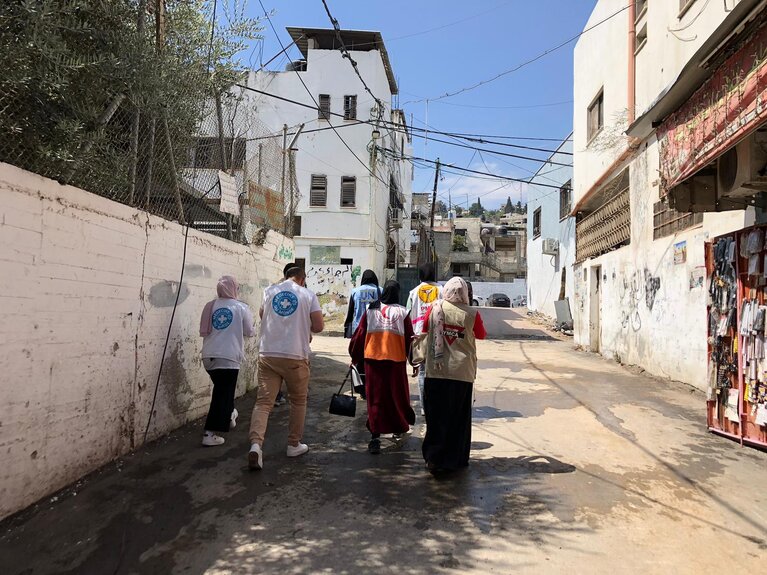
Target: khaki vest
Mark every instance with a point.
(460, 350)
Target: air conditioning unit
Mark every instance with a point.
(395, 218)
(550, 246)
(742, 170)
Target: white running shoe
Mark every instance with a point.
(211, 440)
(255, 457)
(233, 421)
(296, 450)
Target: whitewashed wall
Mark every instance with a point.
(544, 272)
(87, 288)
(652, 312)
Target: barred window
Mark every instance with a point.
(537, 223)
(318, 193)
(324, 111)
(348, 192)
(667, 221)
(350, 107)
(565, 200)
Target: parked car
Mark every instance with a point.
(478, 301)
(519, 301)
(499, 300)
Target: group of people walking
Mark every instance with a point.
(436, 331)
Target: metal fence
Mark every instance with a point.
(132, 101)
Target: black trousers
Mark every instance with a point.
(222, 402)
(447, 403)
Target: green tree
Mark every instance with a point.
(476, 209)
(458, 211)
(519, 209)
(509, 207)
(440, 208)
(81, 79)
(459, 244)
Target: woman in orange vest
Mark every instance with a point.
(451, 367)
(382, 343)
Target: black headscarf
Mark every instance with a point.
(427, 273)
(390, 293)
(369, 277)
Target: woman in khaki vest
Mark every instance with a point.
(451, 367)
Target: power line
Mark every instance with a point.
(499, 177)
(520, 66)
(345, 53)
(421, 33)
(522, 107)
(398, 128)
(308, 91)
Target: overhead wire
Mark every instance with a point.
(523, 64)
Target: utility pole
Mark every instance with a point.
(434, 197)
(282, 179)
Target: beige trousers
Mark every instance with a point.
(271, 372)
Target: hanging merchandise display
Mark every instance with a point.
(736, 266)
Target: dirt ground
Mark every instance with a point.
(578, 465)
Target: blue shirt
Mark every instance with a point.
(361, 299)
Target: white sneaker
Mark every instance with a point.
(296, 450)
(211, 440)
(255, 457)
(233, 421)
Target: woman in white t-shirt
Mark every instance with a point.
(224, 324)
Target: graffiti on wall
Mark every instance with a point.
(652, 285)
(629, 291)
(332, 284)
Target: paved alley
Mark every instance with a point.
(577, 465)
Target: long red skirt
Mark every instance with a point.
(388, 396)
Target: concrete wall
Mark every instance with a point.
(88, 287)
(641, 307)
(544, 272)
(651, 311)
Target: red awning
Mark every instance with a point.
(730, 105)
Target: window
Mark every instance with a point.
(537, 223)
(324, 111)
(348, 192)
(667, 221)
(207, 153)
(296, 226)
(350, 107)
(318, 193)
(301, 263)
(460, 232)
(641, 39)
(347, 261)
(596, 115)
(641, 8)
(684, 5)
(565, 200)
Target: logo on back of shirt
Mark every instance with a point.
(222, 318)
(427, 293)
(285, 303)
(453, 332)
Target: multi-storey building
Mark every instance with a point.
(351, 160)
(668, 114)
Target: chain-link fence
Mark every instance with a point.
(133, 100)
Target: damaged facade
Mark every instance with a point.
(668, 155)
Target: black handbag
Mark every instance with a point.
(342, 404)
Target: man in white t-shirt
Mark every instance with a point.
(289, 315)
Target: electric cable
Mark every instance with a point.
(404, 131)
(523, 64)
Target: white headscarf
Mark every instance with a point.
(455, 291)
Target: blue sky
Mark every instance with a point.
(491, 37)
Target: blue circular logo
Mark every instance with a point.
(222, 318)
(285, 303)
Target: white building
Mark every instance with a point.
(550, 233)
(347, 219)
(650, 86)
